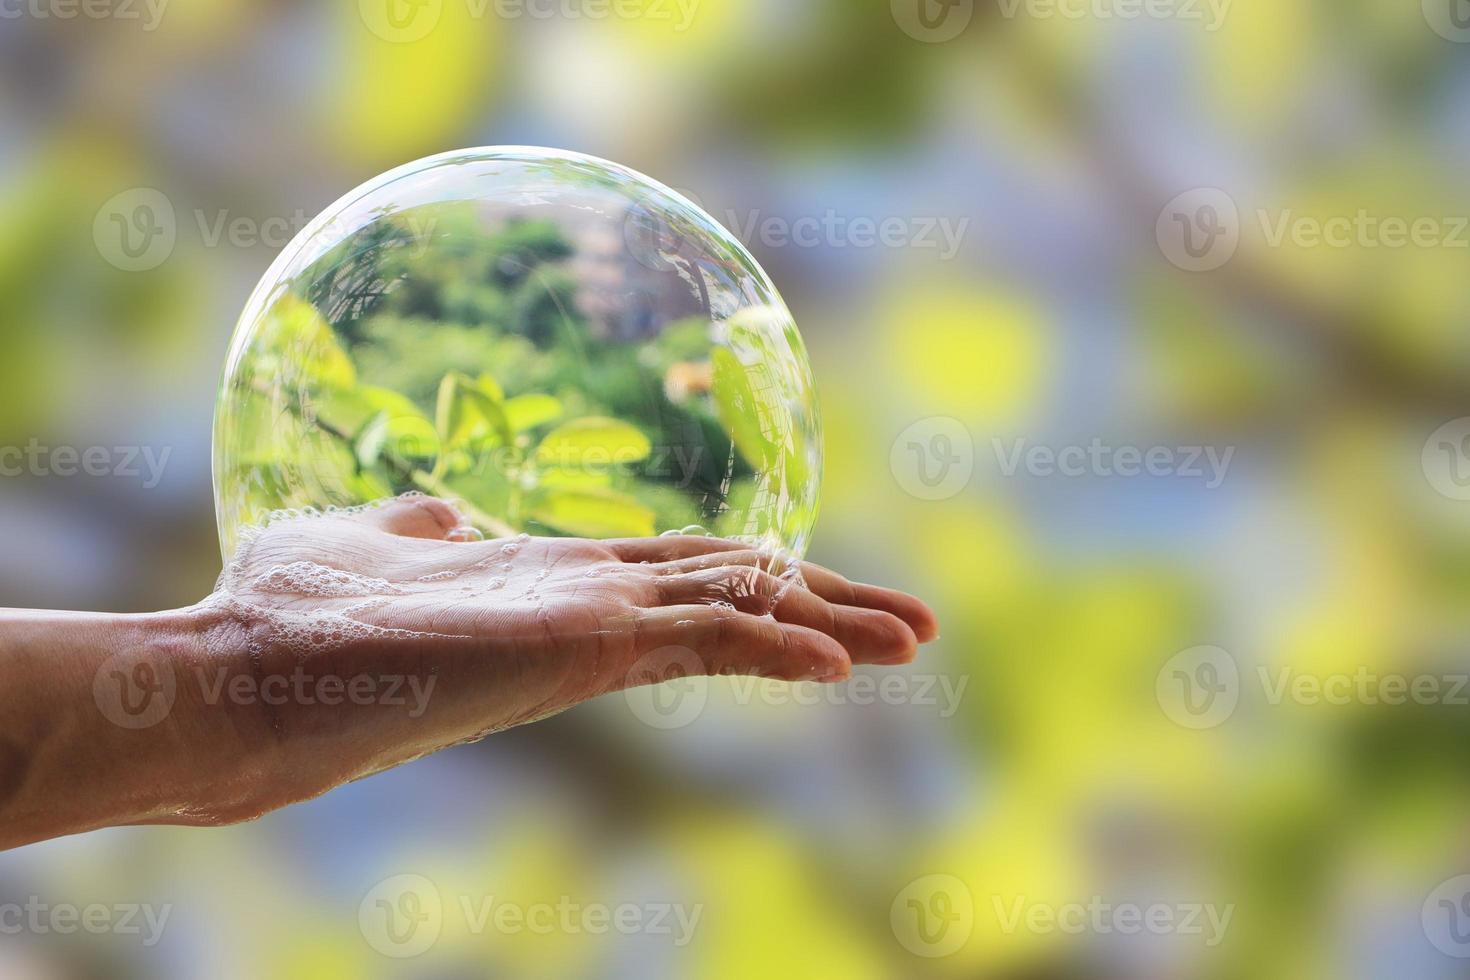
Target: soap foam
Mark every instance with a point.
(304, 631)
(307, 578)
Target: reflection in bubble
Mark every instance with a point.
(564, 346)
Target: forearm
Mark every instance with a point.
(98, 726)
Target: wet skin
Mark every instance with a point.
(268, 693)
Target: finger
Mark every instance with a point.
(727, 642)
(412, 516)
(670, 548)
(837, 589)
(748, 589)
(747, 557)
(869, 636)
(825, 583)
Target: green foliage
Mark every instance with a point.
(591, 512)
(538, 422)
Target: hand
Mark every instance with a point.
(501, 632)
(342, 645)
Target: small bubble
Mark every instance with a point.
(688, 530)
(464, 533)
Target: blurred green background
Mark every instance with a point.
(1037, 754)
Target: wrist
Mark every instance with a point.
(109, 726)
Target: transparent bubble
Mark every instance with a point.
(563, 345)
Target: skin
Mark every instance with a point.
(227, 710)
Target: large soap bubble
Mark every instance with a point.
(559, 343)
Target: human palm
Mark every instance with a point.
(492, 634)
